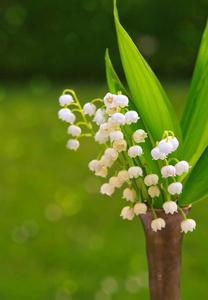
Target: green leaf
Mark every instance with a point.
(196, 187)
(115, 85)
(195, 118)
(147, 94)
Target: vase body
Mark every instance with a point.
(164, 254)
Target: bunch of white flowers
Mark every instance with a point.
(119, 144)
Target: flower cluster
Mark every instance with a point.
(122, 147)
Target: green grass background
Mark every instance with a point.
(60, 239)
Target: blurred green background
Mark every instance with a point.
(60, 238)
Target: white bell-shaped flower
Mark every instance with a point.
(131, 117)
(115, 182)
(135, 151)
(182, 166)
(154, 191)
(109, 100)
(139, 136)
(140, 208)
(165, 146)
(123, 176)
(175, 188)
(116, 136)
(127, 213)
(111, 153)
(107, 162)
(129, 194)
(188, 225)
(170, 207)
(168, 171)
(151, 179)
(157, 154)
(89, 109)
(111, 110)
(107, 189)
(174, 142)
(74, 130)
(104, 129)
(72, 144)
(120, 145)
(95, 165)
(103, 172)
(117, 119)
(121, 100)
(100, 138)
(66, 115)
(135, 172)
(65, 100)
(99, 118)
(157, 224)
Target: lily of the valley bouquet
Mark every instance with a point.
(158, 162)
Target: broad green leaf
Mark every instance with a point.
(147, 94)
(201, 65)
(115, 85)
(196, 187)
(196, 139)
(195, 118)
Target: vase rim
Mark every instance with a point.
(161, 209)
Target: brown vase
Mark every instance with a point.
(164, 254)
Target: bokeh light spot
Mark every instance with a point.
(15, 15)
(109, 285)
(53, 212)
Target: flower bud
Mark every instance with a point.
(121, 100)
(188, 225)
(135, 151)
(175, 188)
(135, 172)
(170, 207)
(117, 119)
(174, 142)
(116, 136)
(111, 110)
(102, 172)
(89, 109)
(74, 130)
(72, 144)
(140, 208)
(115, 182)
(168, 171)
(131, 117)
(165, 147)
(127, 213)
(107, 189)
(129, 194)
(66, 115)
(95, 165)
(151, 179)
(157, 224)
(139, 136)
(153, 191)
(106, 162)
(65, 100)
(157, 154)
(99, 118)
(120, 145)
(123, 176)
(181, 167)
(111, 153)
(100, 138)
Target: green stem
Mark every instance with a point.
(154, 213)
(97, 100)
(185, 218)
